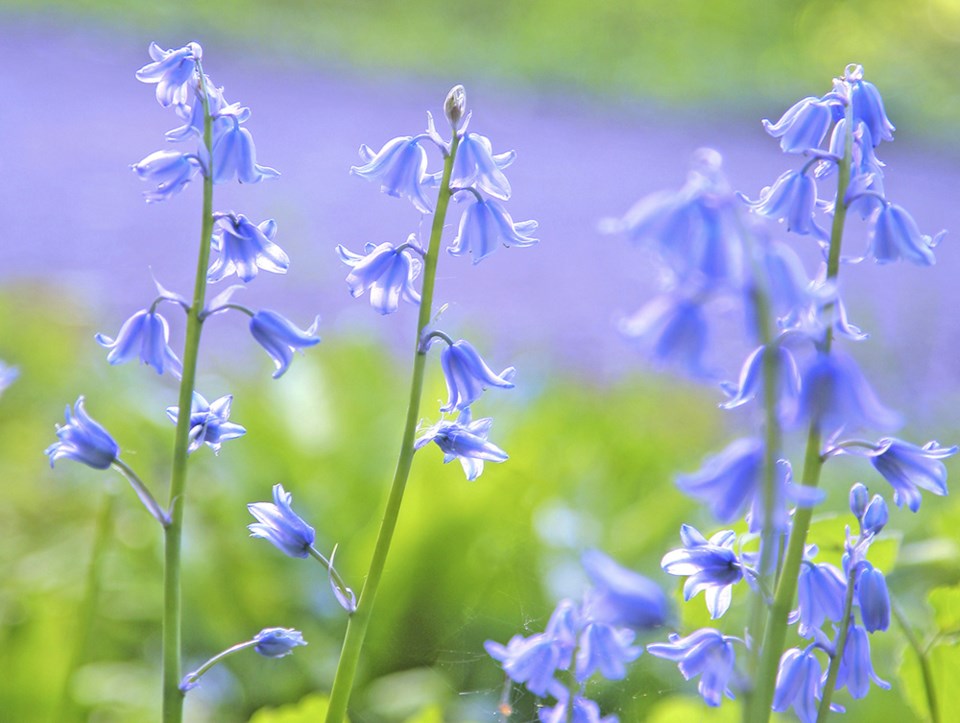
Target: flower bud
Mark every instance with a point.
(876, 516)
(874, 600)
(858, 500)
(455, 106)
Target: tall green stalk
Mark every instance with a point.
(358, 622)
(173, 533)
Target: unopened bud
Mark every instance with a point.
(859, 498)
(455, 106)
(876, 516)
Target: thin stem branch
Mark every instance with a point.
(837, 657)
(144, 494)
(198, 673)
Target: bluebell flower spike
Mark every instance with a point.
(83, 440)
(280, 338)
(281, 526)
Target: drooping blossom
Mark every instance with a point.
(245, 248)
(485, 225)
(466, 440)
(144, 336)
(277, 642)
(467, 375)
(280, 525)
(856, 668)
(280, 338)
(388, 272)
(83, 440)
(707, 653)
(400, 167)
(171, 70)
(170, 171)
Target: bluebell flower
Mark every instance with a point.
(244, 248)
(281, 338)
(565, 624)
(278, 642)
(169, 170)
(145, 335)
(728, 481)
(711, 566)
(208, 422)
(856, 668)
(707, 653)
(859, 499)
(467, 375)
(466, 440)
(788, 286)
(620, 596)
(875, 516)
(280, 525)
(171, 70)
(607, 649)
(234, 154)
(532, 661)
(579, 710)
(909, 468)
(792, 198)
(676, 331)
(83, 440)
(835, 393)
(868, 105)
(873, 598)
(401, 168)
(895, 235)
(7, 375)
(387, 271)
(751, 382)
(191, 110)
(484, 225)
(821, 589)
(476, 166)
(799, 684)
(803, 126)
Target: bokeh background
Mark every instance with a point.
(604, 102)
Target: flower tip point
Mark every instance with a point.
(454, 107)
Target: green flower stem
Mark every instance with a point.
(144, 495)
(331, 570)
(198, 673)
(172, 695)
(828, 687)
(921, 652)
(776, 629)
(357, 624)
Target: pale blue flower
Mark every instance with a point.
(803, 126)
(171, 70)
(751, 382)
(465, 440)
(532, 661)
(821, 589)
(873, 598)
(835, 393)
(856, 668)
(209, 422)
(675, 329)
(244, 248)
(620, 596)
(859, 499)
(83, 440)
(707, 653)
(145, 335)
(909, 468)
(400, 166)
(277, 642)
(387, 271)
(895, 235)
(728, 481)
(280, 525)
(476, 166)
(792, 198)
(169, 170)
(484, 225)
(606, 649)
(868, 105)
(7, 375)
(799, 684)
(467, 375)
(711, 566)
(280, 338)
(580, 710)
(234, 154)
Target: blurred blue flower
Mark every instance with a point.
(83, 440)
(868, 105)
(676, 331)
(620, 596)
(171, 70)
(244, 248)
(475, 166)
(711, 565)
(821, 589)
(856, 669)
(873, 598)
(280, 525)
(234, 154)
(277, 642)
(191, 111)
(803, 126)
(835, 393)
(909, 468)
(169, 170)
(607, 649)
(208, 422)
(280, 338)
(895, 235)
(707, 653)
(750, 384)
(467, 375)
(401, 168)
(7, 375)
(532, 661)
(145, 335)
(465, 440)
(580, 710)
(484, 225)
(792, 198)
(799, 684)
(387, 271)
(728, 481)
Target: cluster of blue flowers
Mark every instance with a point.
(715, 244)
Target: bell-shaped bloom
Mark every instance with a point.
(620, 596)
(675, 329)
(466, 440)
(711, 565)
(875, 516)
(169, 170)
(144, 336)
(565, 624)
(281, 338)
(804, 125)
(476, 166)
(707, 653)
(751, 383)
(235, 156)
(874, 599)
(821, 590)
(868, 105)
(789, 288)
(191, 111)
(859, 499)
(209, 422)
(280, 525)
(835, 393)
(728, 481)
(793, 199)
(83, 440)
(578, 710)
(171, 70)
(245, 248)
(532, 661)
(895, 235)
(856, 668)
(387, 271)
(484, 225)
(799, 684)
(467, 375)
(606, 649)
(277, 642)
(909, 468)
(401, 169)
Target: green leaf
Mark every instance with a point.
(946, 608)
(945, 666)
(310, 709)
(688, 708)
